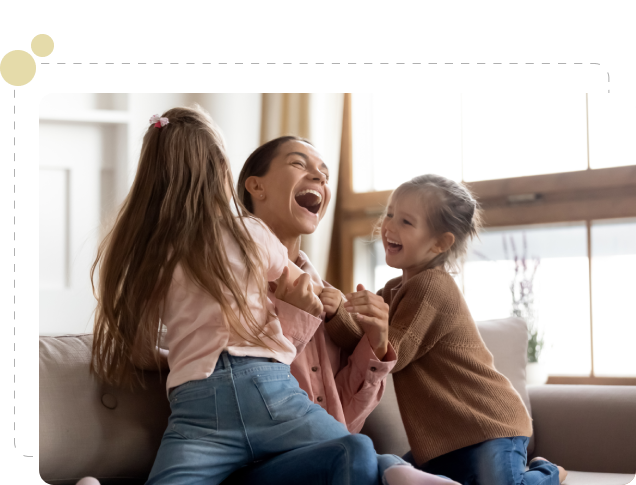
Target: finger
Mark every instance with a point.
(360, 287)
(366, 309)
(366, 298)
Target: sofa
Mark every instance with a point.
(89, 428)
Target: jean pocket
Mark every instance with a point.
(283, 398)
(193, 413)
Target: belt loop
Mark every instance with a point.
(226, 360)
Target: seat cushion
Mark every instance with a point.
(89, 428)
(507, 340)
(589, 478)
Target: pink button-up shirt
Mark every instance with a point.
(347, 386)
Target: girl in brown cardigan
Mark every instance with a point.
(463, 419)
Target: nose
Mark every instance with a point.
(318, 176)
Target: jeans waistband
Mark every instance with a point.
(226, 361)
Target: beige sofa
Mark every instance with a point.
(88, 428)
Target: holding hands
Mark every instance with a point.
(372, 314)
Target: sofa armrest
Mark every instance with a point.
(585, 428)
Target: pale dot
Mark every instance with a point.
(17, 68)
(42, 45)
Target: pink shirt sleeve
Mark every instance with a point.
(348, 387)
(298, 326)
(361, 382)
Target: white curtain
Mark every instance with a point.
(317, 117)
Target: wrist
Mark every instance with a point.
(381, 351)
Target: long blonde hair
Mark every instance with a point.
(175, 213)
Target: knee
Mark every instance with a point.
(358, 445)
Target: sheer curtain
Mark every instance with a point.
(317, 117)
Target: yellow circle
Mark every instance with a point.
(17, 68)
(42, 45)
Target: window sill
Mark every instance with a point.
(593, 380)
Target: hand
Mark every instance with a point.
(372, 316)
(330, 298)
(300, 294)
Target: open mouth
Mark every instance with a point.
(309, 200)
(393, 246)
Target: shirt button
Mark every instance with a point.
(315, 369)
(373, 369)
(319, 399)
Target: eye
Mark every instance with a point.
(406, 222)
(389, 215)
(299, 163)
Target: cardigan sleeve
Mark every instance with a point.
(410, 327)
(343, 329)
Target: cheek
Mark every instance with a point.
(327, 197)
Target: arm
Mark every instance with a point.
(343, 330)
(298, 326)
(361, 383)
(409, 326)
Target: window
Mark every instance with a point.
(559, 171)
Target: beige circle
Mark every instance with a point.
(17, 68)
(42, 45)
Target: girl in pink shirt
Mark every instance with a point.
(178, 256)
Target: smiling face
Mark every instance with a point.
(409, 244)
(293, 196)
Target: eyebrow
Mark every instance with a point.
(408, 215)
(301, 154)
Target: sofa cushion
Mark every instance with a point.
(507, 340)
(589, 478)
(89, 428)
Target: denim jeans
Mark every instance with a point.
(251, 410)
(500, 461)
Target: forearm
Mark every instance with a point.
(343, 329)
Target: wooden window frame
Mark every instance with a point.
(581, 196)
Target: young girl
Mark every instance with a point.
(177, 256)
(462, 417)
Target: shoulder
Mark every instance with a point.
(388, 286)
(438, 288)
(259, 231)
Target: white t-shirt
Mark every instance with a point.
(197, 330)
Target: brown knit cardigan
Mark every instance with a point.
(448, 391)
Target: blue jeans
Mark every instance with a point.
(250, 410)
(500, 461)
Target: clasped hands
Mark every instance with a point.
(368, 310)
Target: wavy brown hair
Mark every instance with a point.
(175, 213)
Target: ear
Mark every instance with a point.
(254, 186)
(444, 243)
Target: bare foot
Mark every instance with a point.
(562, 472)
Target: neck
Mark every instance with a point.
(408, 273)
(292, 243)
